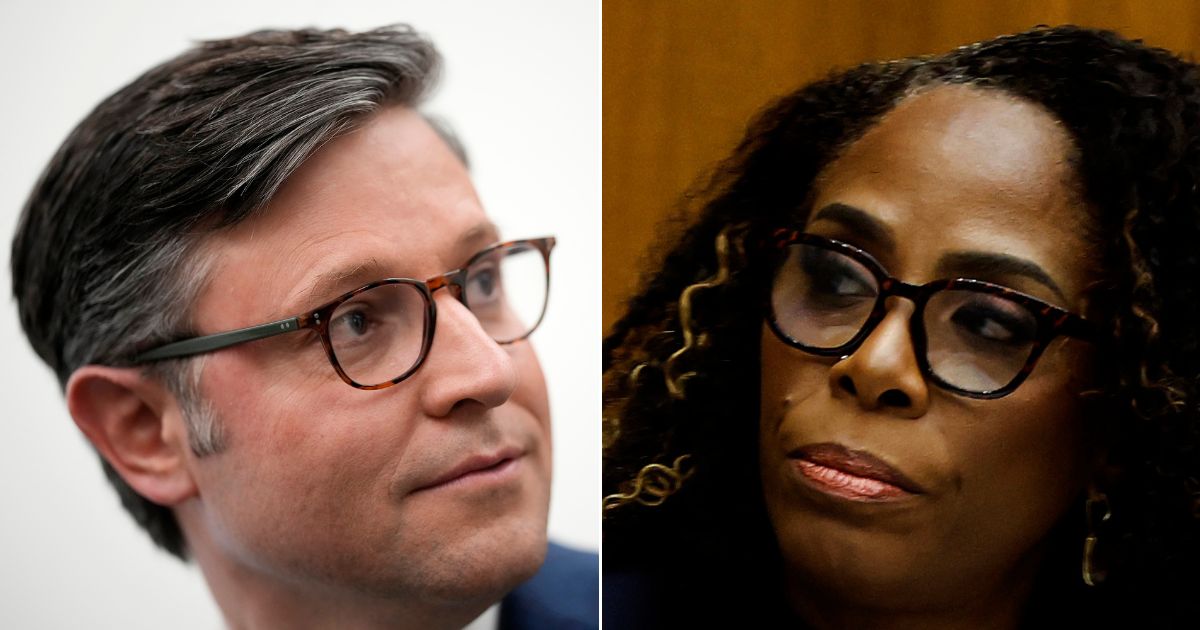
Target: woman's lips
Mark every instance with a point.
(851, 474)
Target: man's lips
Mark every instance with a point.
(851, 473)
(478, 465)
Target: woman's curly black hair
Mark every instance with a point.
(1133, 113)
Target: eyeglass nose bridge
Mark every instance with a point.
(891, 287)
(453, 281)
(915, 293)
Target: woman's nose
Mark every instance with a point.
(883, 373)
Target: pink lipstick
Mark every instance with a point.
(851, 474)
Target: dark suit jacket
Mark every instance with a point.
(564, 594)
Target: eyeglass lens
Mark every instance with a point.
(377, 335)
(506, 290)
(976, 341)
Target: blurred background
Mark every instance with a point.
(521, 86)
(682, 79)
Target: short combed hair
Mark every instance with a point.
(1133, 115)
(107, 258)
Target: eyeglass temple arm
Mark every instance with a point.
(208, 343)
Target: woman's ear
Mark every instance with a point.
(137, 426)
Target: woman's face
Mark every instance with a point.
(954, 182)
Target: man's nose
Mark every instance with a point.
(465, 365)
(883, 373)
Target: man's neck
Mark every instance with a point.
(250, 602)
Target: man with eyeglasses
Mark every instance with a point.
(283, 319)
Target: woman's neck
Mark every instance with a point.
(997, 606)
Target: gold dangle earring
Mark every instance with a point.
(1097, 510)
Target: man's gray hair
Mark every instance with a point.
(108, 256)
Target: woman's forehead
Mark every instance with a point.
(961, 140)
(956, 168)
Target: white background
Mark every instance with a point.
(521, 87)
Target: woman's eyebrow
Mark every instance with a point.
(991, 264)
(985, 264)
(859, 221)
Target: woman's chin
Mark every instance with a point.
(855, 566)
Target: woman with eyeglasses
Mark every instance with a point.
(926, 358)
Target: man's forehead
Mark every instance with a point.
(382, 151)
(339, 276)
(393, 164)
(387, 199)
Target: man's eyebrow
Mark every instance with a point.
(860, 222)
(478, 236)
(986, 265)
(329, 284)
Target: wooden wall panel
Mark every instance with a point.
(681, 80)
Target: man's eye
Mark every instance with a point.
(352, 324)
(485, 282)
(484, 285)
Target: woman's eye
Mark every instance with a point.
(992, 324)
(845, 285)
(834, 275)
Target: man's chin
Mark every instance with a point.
(478, 540)
(486, 566)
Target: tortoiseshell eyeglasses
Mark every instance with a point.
(379, 334)
(971, 337)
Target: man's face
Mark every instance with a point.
(328, 487)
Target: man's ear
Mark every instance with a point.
(137, 426)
